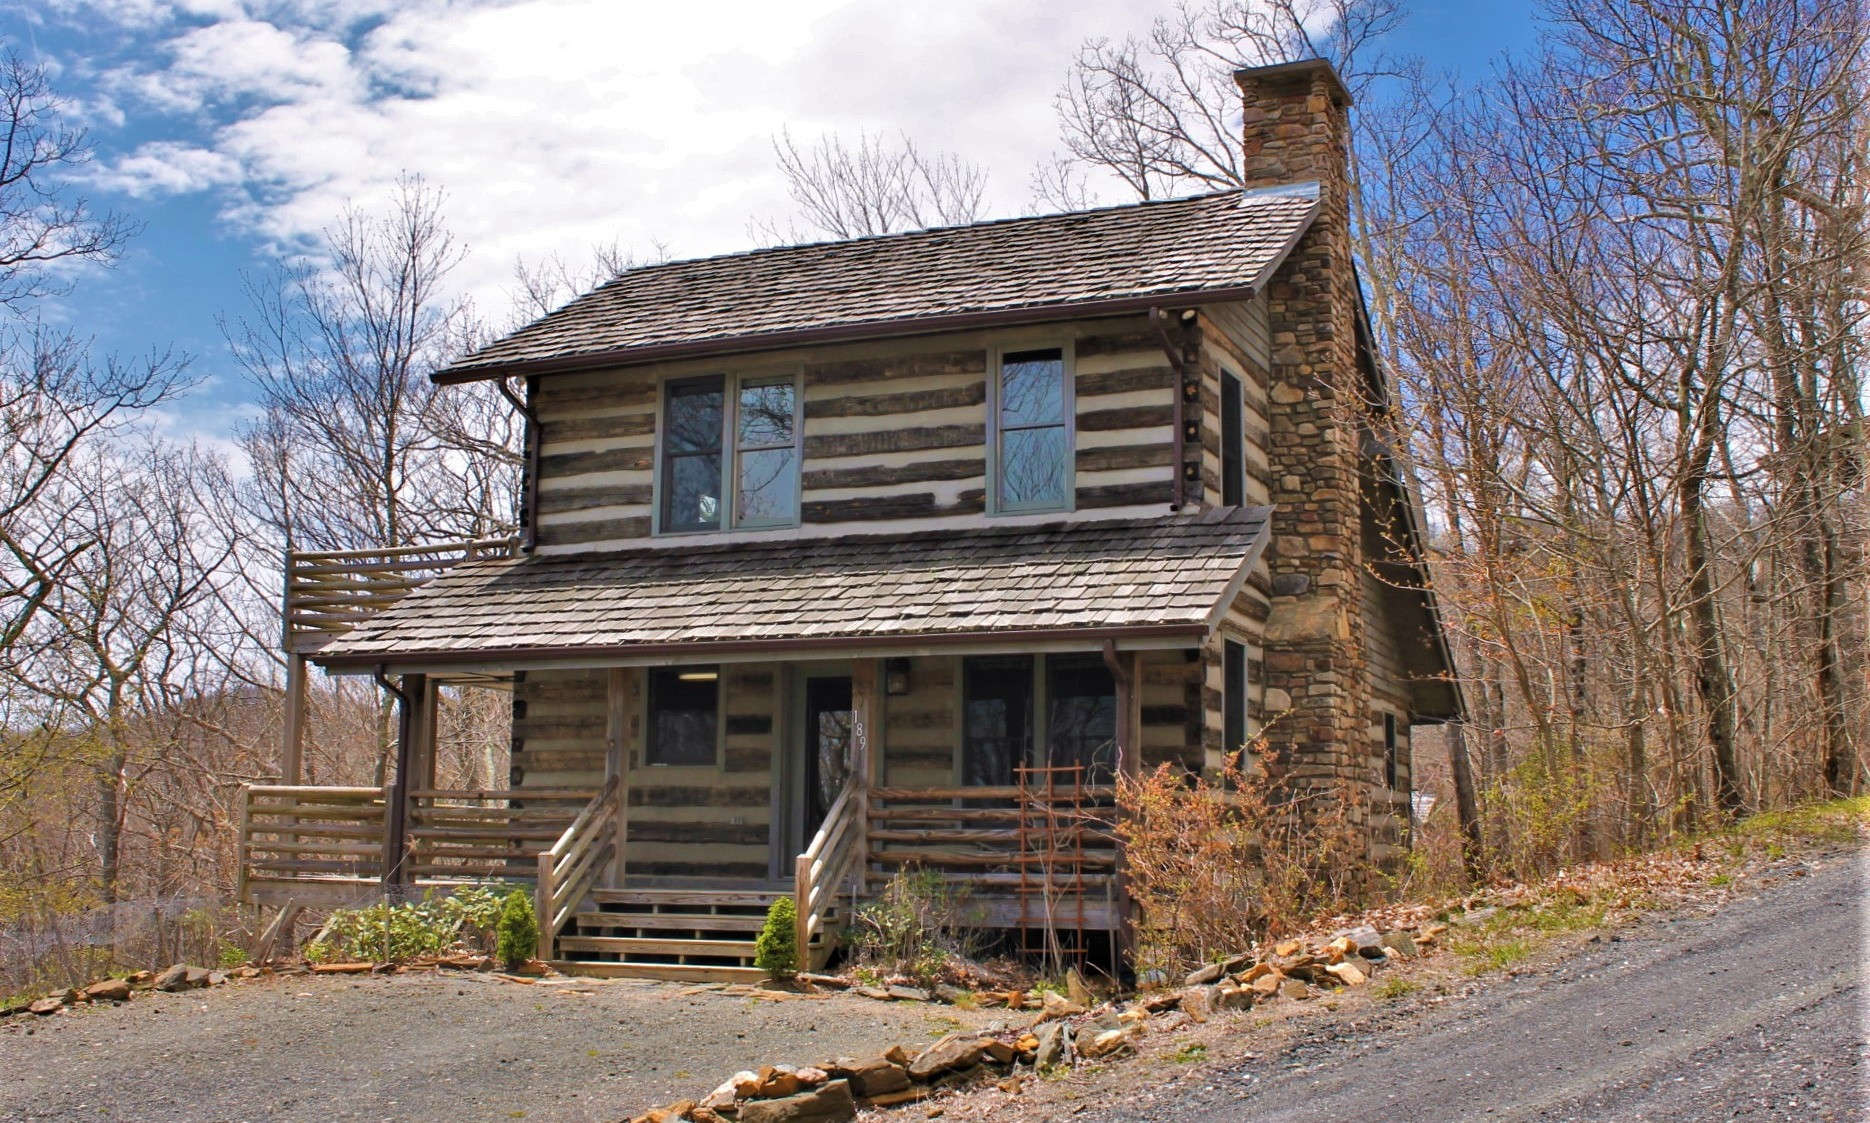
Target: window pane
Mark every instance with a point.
(1033, 471)
(1032, 388)
(1233, 442)
(1081, 716)
(769, 486)
(691, 492)
(693, 417)
(682, 708)
(1233, 697)
(998, 719)
(766, 415)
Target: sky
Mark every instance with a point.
(236, 130)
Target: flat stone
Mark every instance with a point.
(1294, 988)
(108, 990)
(1197, 1003)
(830, 1102)
(1211, 973)
(51, 1004)
(952, 995)
(1267, 984)
(1400, 944)
(873, 1076)
(1291, 584)
(1106, 1043)
(1235, 998)
(828, 982)
(1075, 988)
(1054, 1042)
(174, 978)
(946, 1055)
(908, 994)
(1056, 1005)
(1347, 973)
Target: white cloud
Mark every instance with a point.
(558, 124)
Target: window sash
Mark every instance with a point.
(1060, 423)
(731, 452)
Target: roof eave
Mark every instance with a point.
(843, 333)
(702, 650)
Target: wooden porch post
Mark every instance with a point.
(617, 763)
(866, 742)
(410, 696)
(292, 741)
(1126, 671)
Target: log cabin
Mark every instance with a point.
(893, 553)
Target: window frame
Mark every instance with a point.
(731, 386)
(1068, 422)
(649, 716)
(1233, 439)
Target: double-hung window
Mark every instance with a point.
(1032, 432)
(730, 454)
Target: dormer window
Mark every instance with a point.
(1032, 438)
(707, 480)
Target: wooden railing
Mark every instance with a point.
(570, 868)
(295, 836)
(329, 592)
(834, 857)
(486, 834)
(1025, 855)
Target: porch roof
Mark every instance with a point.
(1107, 578)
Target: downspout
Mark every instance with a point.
(529, 485)
(1179, 361)
(396, 815)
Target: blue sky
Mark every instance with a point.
(235, 129)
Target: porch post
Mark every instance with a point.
(292, 741)
(1126, 671)
(866, 739)
(410, 695)
(617, 763)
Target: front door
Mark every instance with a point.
(827, 747)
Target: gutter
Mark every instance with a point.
(701, 650)
(840, 333)
(529, 516)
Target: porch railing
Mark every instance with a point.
(569, 869)
(329, 592)
(834, 857)
(293, 835)
(494, 834)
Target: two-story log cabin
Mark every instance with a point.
(844, 558)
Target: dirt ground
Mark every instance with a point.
(448, 1046)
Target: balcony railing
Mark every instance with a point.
(329, 592)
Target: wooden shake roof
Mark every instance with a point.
(1093, 579)
(1214, 247)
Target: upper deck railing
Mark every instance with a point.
(329, 592)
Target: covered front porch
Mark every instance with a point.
(670, 778)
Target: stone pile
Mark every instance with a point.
(1063, 1031)
(120, 989)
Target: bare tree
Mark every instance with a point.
(41, 222)
(877, 185)
(542, 286)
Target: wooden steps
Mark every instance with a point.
(692, 934)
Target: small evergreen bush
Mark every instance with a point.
(776, 952)
(519, 929)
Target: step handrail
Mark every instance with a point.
(828, 861)
(569, 869)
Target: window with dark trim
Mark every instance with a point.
(725, 438)
(1233, 698)
(1233, 443)
(1081, 715)
(684, 709)
(1389, 750)
(1032, 432)
(996, 732)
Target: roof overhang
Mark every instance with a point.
(849, 333)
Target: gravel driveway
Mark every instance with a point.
(425, 1046)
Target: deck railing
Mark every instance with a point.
(329, 592)
(834, 857)
(474, 834)
(570, 867)
(296, 836)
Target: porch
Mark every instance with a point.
(697, 733)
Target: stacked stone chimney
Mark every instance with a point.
(1297, 129)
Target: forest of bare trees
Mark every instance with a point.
(1618, 283)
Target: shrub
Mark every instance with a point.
(1215, 863)
(914, 927)
(387, 933)
(519, 929)
(776, 951)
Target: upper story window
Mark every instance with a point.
(1233, 443)
(730, 454)
(1032, 439)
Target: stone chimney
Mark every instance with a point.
(1297, 130)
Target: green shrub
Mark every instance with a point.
(915, 927)
(386, 933)
(233, 955)
(776, 952)
(519, 929)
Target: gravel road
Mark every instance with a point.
(1758, 1011)
(424, 1047)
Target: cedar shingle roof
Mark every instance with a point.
(1105, 575)
(1144, 250)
